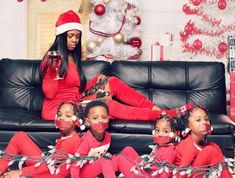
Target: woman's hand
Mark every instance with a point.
(53, 59)
(100, 77)
(13, 174)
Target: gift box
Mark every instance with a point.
(166, 39)
(157, 52)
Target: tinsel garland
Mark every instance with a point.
(100, 33)
(110, 56)
(54, 159)
(204, 51)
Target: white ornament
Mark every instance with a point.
(171, 134)
(106, 1)
(153, 132)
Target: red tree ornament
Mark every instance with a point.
(197, 44)
(196, 2)
(222, 47)
(99, 9)
(138, 20)
(222, 4)
(135, 42)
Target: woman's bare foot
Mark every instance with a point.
(155, 107)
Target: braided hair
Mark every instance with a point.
(184, 121)
(174, 124)
(78, 111)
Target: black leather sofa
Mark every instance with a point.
(169, 84)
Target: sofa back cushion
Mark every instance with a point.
(171, 84)
(20, 82)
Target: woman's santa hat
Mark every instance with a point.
(67, 21)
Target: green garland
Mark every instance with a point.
(54, 159)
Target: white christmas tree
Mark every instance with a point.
(114, 30)
(207, 30)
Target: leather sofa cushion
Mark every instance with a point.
(22, 120)
(171, 84)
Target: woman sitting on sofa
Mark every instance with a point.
(72, 84)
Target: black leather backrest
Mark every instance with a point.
(20, 82)
(171, 84)
(92, 68)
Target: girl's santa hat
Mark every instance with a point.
(67, 21)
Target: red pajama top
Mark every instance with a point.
(64, 144)
(90, 146)
(186, 152)
(57, 91)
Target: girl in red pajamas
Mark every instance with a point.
(164, 151)
(95, 142)
(70, 88)
(194, 150)
(67, 120)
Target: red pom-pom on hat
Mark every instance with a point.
(68, 21)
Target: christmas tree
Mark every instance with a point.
(114, 30)
(207, 30)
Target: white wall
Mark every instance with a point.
(159, 17)
(13, 29)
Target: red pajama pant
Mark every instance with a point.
(129, 158)
(189, 155)
(136, 106)
(210, 155)
(22, 144)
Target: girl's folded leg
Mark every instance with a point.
(20, 143)
(127, 94)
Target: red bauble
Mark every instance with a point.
(222, 4)
(138, 20)
(20, 0)
(222, 47)
(196, 2)
(186, 8)
(135, 42)
(197, 44)
(183, 35)
(99, 9)
(188, 28)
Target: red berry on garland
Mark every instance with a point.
(222, 47)
(196, 2)
(99, 9)
(188, 28)
(197, 44)
(183, 35)
(222, 4)
(186, 8)
(135, 42)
